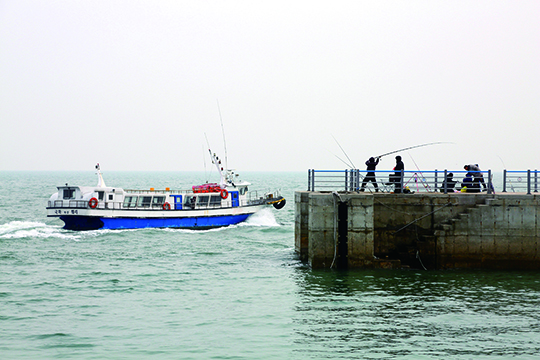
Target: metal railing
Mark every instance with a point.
(522, 181)
(445, 181)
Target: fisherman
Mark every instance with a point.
(370, 176)
(449, 183)
(397, 174)
(470, 183)
(475, 171)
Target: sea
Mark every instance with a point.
(238, 292)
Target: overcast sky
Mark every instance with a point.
(135, 85)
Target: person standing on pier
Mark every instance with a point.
(474, 169)
(370, 176)
(397, 174)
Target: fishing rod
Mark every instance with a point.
(504, 165)
(413, 147)
(340, 159)
(352, 167)
(423, 179)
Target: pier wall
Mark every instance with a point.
(428, 230)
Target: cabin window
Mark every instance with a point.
(101, 195)
(144, 201)
(158, 201)
(69, 194)
(130, 201)
(243, 190)
(111, 197)
(189, 202)
(215, 200)
(202, 200)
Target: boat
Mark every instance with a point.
(205, 206)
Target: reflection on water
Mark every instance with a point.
(391, 314)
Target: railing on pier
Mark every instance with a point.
(520, 181)
(444, 181)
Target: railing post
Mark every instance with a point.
(436, 179)
(535, 180)
(401, 181)
(346, 172)
(490, 187)
(504, 180)
(309, 180)
(445, 182)
(528, 182)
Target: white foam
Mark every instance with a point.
(30, 229)
(264, 217)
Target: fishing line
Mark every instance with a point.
(420, 218)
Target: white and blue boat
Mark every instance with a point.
(201, 207)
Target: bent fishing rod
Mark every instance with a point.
(412, 147)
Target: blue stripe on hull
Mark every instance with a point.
(93, 223)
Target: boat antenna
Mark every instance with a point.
(217, 163)
(413, 147)
(352, 167)
(204, 161)
(223, 132)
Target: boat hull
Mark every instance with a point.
(200, 223)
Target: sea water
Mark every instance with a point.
(232, 293)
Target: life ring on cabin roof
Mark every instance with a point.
(224, 193)
(93, 203)
(166, 206)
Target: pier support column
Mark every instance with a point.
(301, 224)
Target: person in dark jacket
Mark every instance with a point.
(475, 171)
(450, 183)
(397, 174)
(370, 176)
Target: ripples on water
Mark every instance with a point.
(237, 293)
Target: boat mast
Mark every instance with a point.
(217, 162)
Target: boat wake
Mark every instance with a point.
(264, 217)
(32, 229)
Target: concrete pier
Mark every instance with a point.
(422, 230)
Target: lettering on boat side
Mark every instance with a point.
(66, 212)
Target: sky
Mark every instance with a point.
(272, 85)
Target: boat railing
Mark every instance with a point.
(353, 180)
(77, 204)
(152, 191)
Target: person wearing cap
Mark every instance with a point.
(475, 171)
(370, 176)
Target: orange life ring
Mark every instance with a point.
(224, 193)
(93, 203)
(166, 206)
